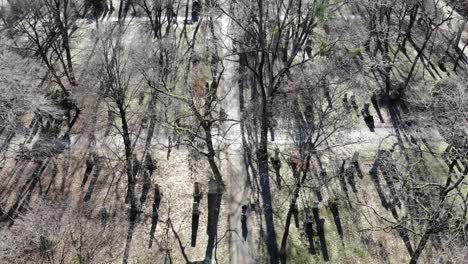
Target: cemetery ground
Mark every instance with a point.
(74, 196)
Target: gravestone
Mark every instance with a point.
(354, 105)
(89, 167)
(295, 212)
(146, 186)
(308, 48)
(104, 215)
(318, 193)
(309, 231)
(355, 162)
(326, 91)
(169, 148)
(252, 205)
(276, 162)
(144, 122)
(346, 103)
(110, 122)
(272, 124)
(150, 165)
(141, 97)
(323, 175)
(197, 194)
(135, 165)
(316, 213)
(196, 9)
(293, 166)
(342, 179)
(92, 184)
(368, 118)
(365, 110)
(350, 178)
(309, 113)
(376, 106)
(244, 222)
(397, 91)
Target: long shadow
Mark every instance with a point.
(320, 222)
(93, 182)
(403, 233)
(155, 213)
(214, 205)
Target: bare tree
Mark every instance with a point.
(273, 39)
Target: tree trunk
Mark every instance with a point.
(421, 246)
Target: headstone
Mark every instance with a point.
(92, 184)
(197, 194)
(150, 165)
(196, 9)
(368, 118)
(144, 122)
(146, 187)
(318, 193)
(309, 111)
(135, 165)
(376, 106)
(272, 129)
(326, 91)
(346, 103)
(365, 110)
(309, 231)
(323, 175)
(292, 163)
(253, 206)
(341, 176)
(104, 216)
(141, 97)
(354, 104)
(295, 212)
(169, 148)
(110, 122)
(441, 64)
(355, 162)
(244, 222)
(308, 48)
(89, 167)
(350, 177)
(316, 212)
(276, 162)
